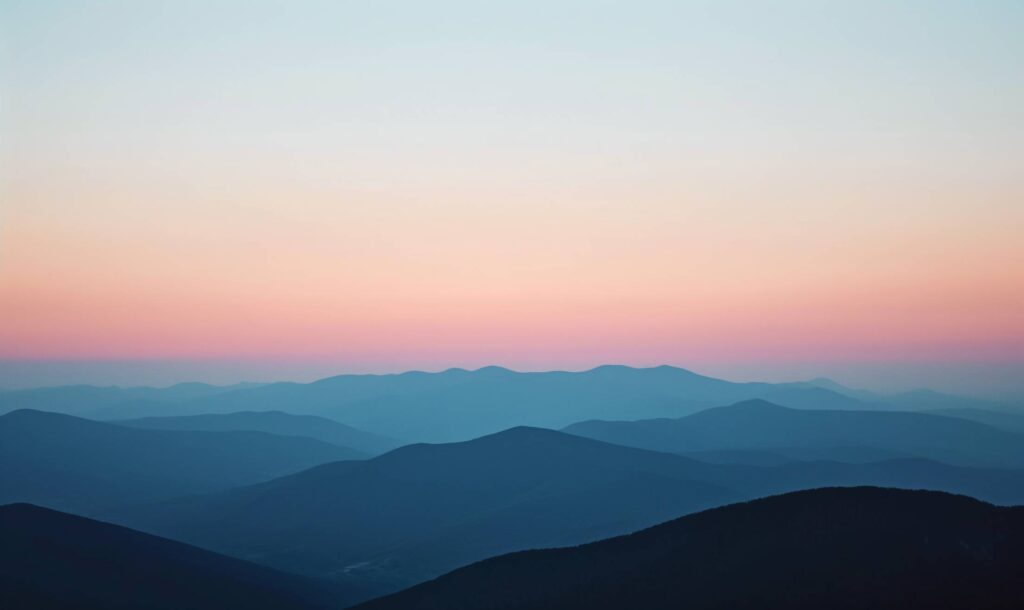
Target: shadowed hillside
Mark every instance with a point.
(827, 548)
(51, 560)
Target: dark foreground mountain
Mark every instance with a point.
(274, 422)
(51, 560)
(79, 465)
(826, 548)
(422, 510)
(760, 425)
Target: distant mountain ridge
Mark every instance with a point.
(841, 549)
(101, 402)
(459, 404)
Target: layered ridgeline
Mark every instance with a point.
(458, 404)
(1011, 421)
(274, 422)
(108, 402)
(758, 425)
(82, 466)
(55, 561)
(422, 510)
(827, 548)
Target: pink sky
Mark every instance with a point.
(451, 188)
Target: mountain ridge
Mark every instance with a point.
(762, 425)
(840, 548)
(51, 560)
(410, 514)
(70, 463)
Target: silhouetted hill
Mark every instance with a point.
(421, 510)
(51, 560)
(761, 425)
(274, 422)
(827, 548)
(77, 464)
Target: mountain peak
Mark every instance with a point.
(756, 404)
(493, 369)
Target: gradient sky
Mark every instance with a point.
(374, 186)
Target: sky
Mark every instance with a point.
(249, 190)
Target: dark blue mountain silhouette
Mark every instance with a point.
(841, 549)
(51, 560)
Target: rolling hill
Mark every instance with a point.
(421, 510)
(273, 422)
(56, 561)
(80, 465)
(826, 548)
(760, 425)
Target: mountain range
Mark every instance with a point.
(458, 404)
(421, 510)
